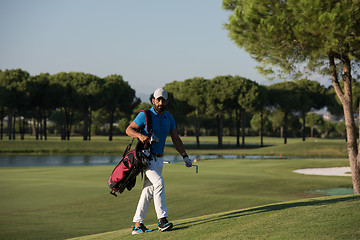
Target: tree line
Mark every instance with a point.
(233, 100)
(224, 102)
(68, 95)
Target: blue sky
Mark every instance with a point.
(149, 43)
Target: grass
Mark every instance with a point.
(264, 199)
(312, 147)
(251, 194)
(54, 146)
(318, 148)
(317, 218)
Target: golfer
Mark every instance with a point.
(163, 123)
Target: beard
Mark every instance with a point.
(159, 108)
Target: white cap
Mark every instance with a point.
(160, 92)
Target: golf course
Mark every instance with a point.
(230, 198)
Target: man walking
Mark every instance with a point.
(163, 123)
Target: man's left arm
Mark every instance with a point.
(180, 146)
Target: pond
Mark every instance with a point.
(74, 160)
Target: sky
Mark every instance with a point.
(148, 43)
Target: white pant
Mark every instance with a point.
(153, 188)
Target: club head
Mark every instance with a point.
(146, 152)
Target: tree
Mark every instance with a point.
(340, 129)
(248, 99)
(285, 97)
(86, 97)
(117, 94)
(2, 108)
(312, 97)
(196, 92)
(335, 103)
(261, 104)
(64, 101)
(2, 105)
(138, 108)
(42, 101)
(277, 121)
(218, 98)
(177, 104)
(123, 124)
(259, 122)
(289, 34)
(356, 96)
(191, 92)
(13, 84)
(314, 120)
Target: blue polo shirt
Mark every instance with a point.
(161, 127)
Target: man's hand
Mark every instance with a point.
(132, 131)
(144, 139)
(187, 161)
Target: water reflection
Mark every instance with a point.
(39, 161)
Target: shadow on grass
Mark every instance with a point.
(267, 208)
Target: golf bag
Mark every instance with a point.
(132, 163)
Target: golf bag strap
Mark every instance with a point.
(127, 149)
(148, 121)
(148, 129)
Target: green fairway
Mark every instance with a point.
(65, 202)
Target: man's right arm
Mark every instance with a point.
(132, 131)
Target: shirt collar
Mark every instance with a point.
(153, 110)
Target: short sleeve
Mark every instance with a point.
(140, 119)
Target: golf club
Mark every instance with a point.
(193, 165)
